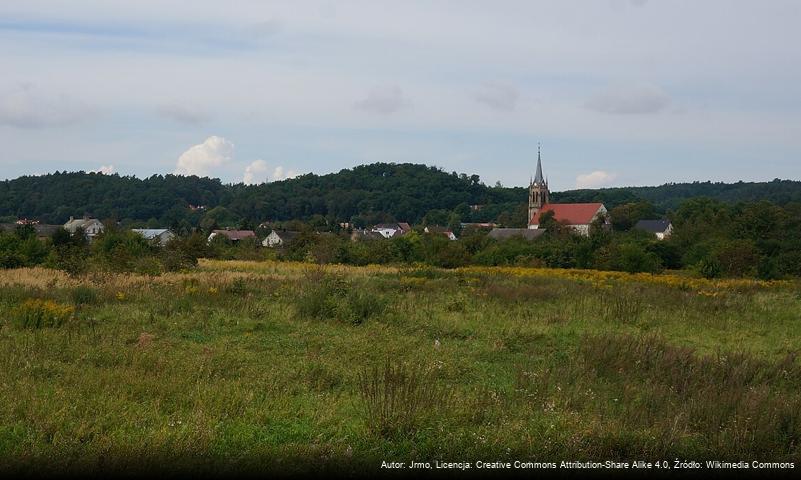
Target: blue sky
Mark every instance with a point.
(619, 92)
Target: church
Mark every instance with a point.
(578, 216)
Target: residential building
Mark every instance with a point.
(91, 227)
(662, 229)
(162, 236)
(232, 235)
(279, 238)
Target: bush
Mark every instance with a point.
(361, 306)
(331, 297)
(397, 398)
(709, 267)
(35, 314)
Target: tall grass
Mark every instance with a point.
(398, 398)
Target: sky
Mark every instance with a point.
(617, 92)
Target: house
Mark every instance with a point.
(389, 230)
(507, 233)
(577, 216)
(92, 227)
(278, 239)
(365, 234)
(162, 236)
(42, 231)
(661, 228)
(232, 235)
(435, 230)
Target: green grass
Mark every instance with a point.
(267, 366)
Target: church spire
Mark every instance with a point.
(538, 178)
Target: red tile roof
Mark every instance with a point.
(570, 213)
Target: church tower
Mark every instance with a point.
(538, 194)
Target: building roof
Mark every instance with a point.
(366, 235)
(74, 223)
(150, 233)
(405, 227)
(388, 226)
(506, 233)
(235, 234)
(570, 213)
(653, 226)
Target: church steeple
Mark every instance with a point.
(538, 176)
(538, 193)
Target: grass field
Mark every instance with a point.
(290, 367)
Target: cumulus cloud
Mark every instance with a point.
(383, 100)
(596, 179)
(279, 174)
(183, 114)
(498, 96)
(104, 169)
(255, 173)
(200, 159)
(629, 99)
(27, 106)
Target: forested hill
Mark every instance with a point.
(367, 193)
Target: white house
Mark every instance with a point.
(440, 231)
(661, 228)
(161, 235)
(389, 230)
(92, 227)
(277, 239)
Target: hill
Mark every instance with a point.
(364, 194)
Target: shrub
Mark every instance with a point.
(397, 398)
(331, 297)
(361, 306)
(36, 313)
(709, 267)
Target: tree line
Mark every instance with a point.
(364, 195)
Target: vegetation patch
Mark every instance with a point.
(37, 313)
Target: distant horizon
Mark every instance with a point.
(488, 184)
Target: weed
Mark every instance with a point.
(84, 295)
(35, 314)
(398, 398)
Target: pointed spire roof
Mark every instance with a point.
(538, 178)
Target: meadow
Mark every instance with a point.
(268, 366)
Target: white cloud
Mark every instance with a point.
(255, 173)
(596, 179)
(498, 96)
(383, 100)
(27, 106)
(278, 174)
(200, 159)
(629, 99)
(183, 114)
(104, 169)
